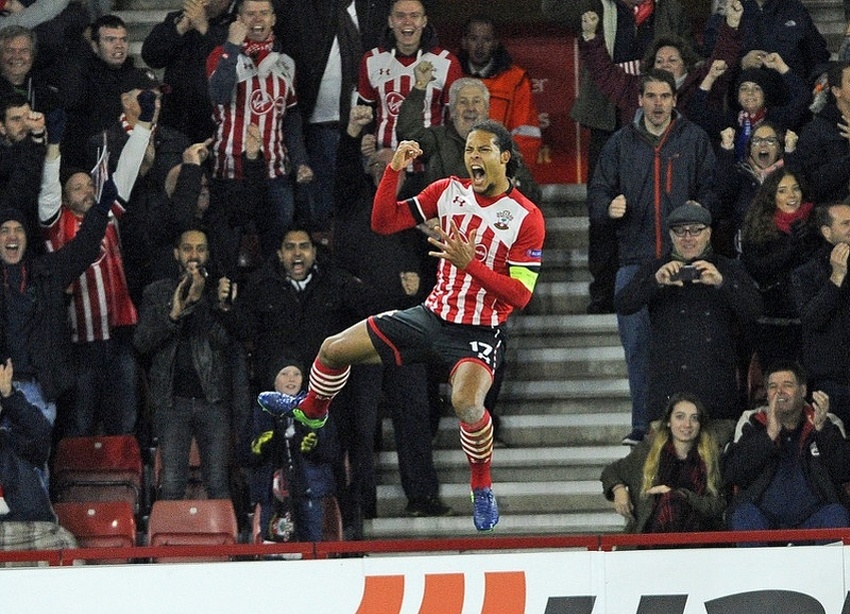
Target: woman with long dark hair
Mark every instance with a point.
(776, 238)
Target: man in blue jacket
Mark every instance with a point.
(27, 521)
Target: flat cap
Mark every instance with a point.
(689, 213)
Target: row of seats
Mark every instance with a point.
(98, 491)
(98, 486)
(112, 524)
(110, 468)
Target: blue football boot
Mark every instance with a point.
(485, 511)
(279, 405)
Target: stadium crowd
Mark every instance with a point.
(174, 243)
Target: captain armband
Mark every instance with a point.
(525, 275)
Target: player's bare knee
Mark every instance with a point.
(469, 414)
(331, 352)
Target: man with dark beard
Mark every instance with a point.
(182, 328)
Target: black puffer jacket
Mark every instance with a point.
(282, 321)
(823, 155)
(24, 445)
(655, 179)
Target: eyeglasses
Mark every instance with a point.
(693, 231)
(767, 140)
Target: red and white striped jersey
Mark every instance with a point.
(262, 95)
(100, 298)
(509, 232)
(386, 79)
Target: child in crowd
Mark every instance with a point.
(293, 467)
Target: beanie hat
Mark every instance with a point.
(275, 365)
(10, 213)
(767, 80)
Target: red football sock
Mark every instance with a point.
(476, 440)
(325, 383)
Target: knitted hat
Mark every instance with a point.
(10, 213)
(767, 80)
(274, 366)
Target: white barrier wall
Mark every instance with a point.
(793, 580)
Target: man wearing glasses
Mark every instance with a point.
(645, 170)
(697, 302)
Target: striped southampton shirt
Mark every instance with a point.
(386, 79)
(510, 231)
(262, 95)
(101, 299)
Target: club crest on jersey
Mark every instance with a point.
(503, 220)
(262, 103)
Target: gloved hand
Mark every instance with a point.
(107, 197)
(147, 105)
(260, 444)
(309, 443)
(55, 123)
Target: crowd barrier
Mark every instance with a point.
(570, 574)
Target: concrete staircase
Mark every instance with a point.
(829, 17)
(564, 408)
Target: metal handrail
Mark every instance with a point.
(323, 550)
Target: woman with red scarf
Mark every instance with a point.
(776, 238)
(670, 483)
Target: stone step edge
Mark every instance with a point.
(566, 389)
(143, 16)
(513, 458)
(576, 522)
(586, 420)
(507, 489)
(602, 353)
(566, 323)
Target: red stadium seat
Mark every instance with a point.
(105, 468)
(192, 522)
(99, 524)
